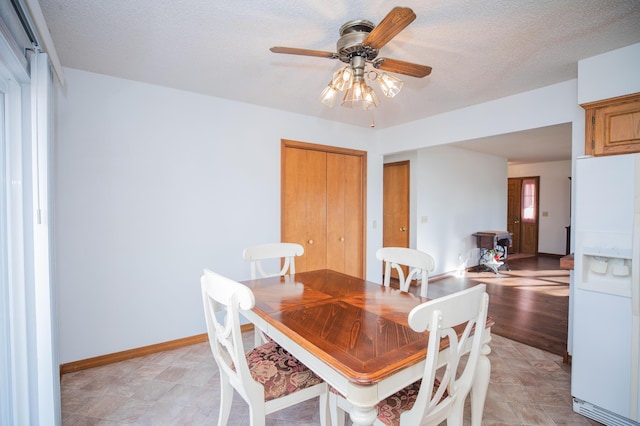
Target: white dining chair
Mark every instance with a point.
(286, 252)
(419, 265)
(440, 394)
(257, 255)
(268, 378)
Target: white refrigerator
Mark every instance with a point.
(606, 301)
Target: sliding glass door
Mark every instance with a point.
(6, 408)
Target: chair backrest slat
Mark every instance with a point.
(418, 262)
(443, 318)
(223, 300)
(284, 251)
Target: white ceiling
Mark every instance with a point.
(551, 143)
(480, 50)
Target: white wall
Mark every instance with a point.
(555, 104)
(152, 186)
(609, 75)
(460, 192)
(555, 201)
(547, 106)
(454, 193)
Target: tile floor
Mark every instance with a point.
(180, 387)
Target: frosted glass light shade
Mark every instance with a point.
(360, 96)
(328, 96)
(389, 84)
(342, 79)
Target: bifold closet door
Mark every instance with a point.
(344, 214)
(304, 214)
(323, 206)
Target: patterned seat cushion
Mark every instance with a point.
(389, 410)
(278, 371)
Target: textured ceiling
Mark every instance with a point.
(479, 49)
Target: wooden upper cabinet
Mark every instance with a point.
(323, 206)
(613, 126)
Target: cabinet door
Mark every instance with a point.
(304, 206)
(613, 126)
(344, 213)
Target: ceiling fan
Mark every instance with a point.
(358, 45)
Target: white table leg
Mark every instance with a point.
(481, 384)
(363, 416)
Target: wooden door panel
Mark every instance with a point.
(344, 200)
(323, 206)
(529, 226)
(529, 241)
(304, 206)
(336, 184)
(514, 207)
(395, 201)
(315, 245)
(525, 231)
(396, 205)
(354, 216)
(293, 205)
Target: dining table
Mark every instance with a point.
(354, 334)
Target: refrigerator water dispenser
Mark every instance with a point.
(606, 274)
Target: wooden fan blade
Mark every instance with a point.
(402, 67)
(391, 25)
(303, 52)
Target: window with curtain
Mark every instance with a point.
(529, 200)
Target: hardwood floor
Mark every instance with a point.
(529, 303)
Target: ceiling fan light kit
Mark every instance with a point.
(360, 96)
(358, 46)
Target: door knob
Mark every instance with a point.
(341, 238)
(310, 241)
(403, 229)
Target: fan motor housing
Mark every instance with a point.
(352, 34)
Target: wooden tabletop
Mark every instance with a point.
(358, 327)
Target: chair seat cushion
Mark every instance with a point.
(278, 371)
(389, 409)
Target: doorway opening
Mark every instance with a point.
(523, 214)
